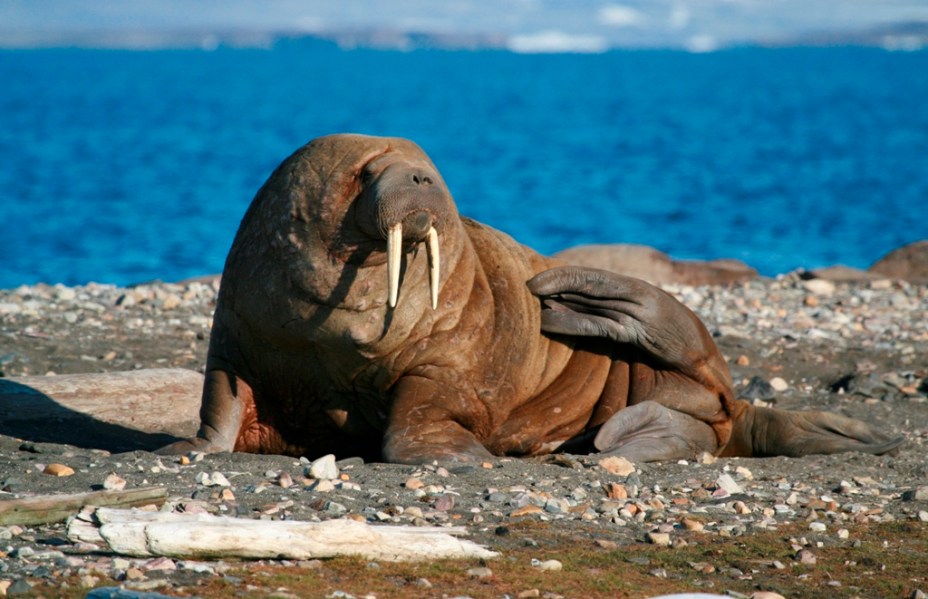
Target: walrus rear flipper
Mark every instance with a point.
(650, 432)
(586, 302)
(762, 432)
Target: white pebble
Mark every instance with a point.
(617, 465)
(550, 564)
(727, 483)
(779, 384)
(324, 468)
(819, 287)
(216, 479)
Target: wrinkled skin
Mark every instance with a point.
(520, 356)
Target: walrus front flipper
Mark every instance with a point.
(428, 422)
(220, 417)
(762, 432)
(588, 302)
(650, 432)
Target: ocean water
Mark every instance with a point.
(122, 167)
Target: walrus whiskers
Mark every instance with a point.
(394, 255)
(434, 265)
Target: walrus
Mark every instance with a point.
(360, 314)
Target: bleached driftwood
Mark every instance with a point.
(152, 402)
(45, 509)
(199, 536)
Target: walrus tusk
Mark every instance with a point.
(434, 265)
(394, 254)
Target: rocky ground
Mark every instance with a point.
(857, 348)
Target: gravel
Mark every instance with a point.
(859, 349)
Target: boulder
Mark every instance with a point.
(909, 263)
(657, 267)
(841, 274)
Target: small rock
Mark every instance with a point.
(767, 595)
(285, 480)
(114, 482)
(444, 502)
(335, 508)
(528, 594)
(120, 563)
(917, 494)
(617, 465)
(214, 479)
(480, 572)
(662, 539)
(413, 483)
(171, 301)
(320, 486)
(728, 484)
(58, 470)
(806, 557)
(159, 564)
(87, 581)
(19, 587)
(743, 360)
(779, 384)
(616, 491)
(707, 458)
(550, 564)
(557, 506)
(820, 287)
(693, 525)
(818, 527)
(757, 388)
(526, 510)
(323, 468)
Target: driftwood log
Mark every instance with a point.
(58, 508)
(204, 536)
(117, 411)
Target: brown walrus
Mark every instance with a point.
(486, 349)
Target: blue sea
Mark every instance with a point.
(128, 166)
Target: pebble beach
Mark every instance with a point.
(857, 348)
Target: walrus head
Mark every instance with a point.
(338, 225)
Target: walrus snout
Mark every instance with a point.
(404, 202)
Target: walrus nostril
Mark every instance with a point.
(420, 179)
